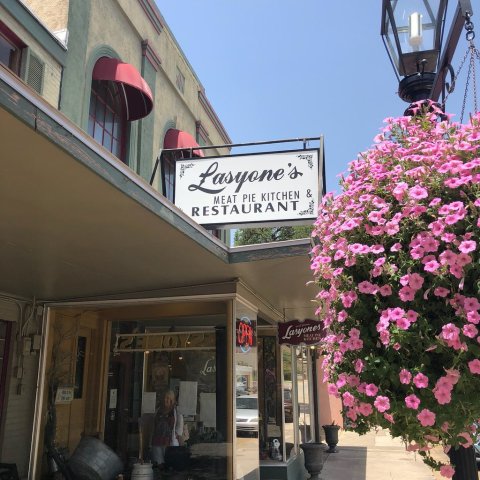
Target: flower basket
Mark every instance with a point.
(397, 264)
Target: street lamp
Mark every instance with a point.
(412, 31)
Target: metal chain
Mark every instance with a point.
(455, 77)
(472, 50)
(468, 82)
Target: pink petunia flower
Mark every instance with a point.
(441, 292)
(447, 471)
(385, 290)
(412, 401)
(405, 376)
(426, 418)
(365, 409)
(474, 366)
(382, 404)
(467, 246)
(420, 380)
(417, 192)
(443, 395)
(371, 390)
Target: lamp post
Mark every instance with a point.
(413, 32)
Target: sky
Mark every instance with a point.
(275, 69)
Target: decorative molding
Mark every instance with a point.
(152, 14)
(213, 117)
(201, 131)
(151, 55)
(98, 52)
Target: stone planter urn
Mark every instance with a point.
(331, 437)
(314, 458)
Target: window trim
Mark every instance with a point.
(19, 46)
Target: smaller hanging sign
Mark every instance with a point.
(308, 332)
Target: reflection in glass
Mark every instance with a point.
(304, 420)
(288, 400)
(246, 383)
(270, 396)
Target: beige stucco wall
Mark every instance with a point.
(330, 408)
(52, 70)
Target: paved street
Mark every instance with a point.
(375, 456)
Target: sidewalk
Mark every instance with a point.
(374, 456)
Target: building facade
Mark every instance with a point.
(111, 295)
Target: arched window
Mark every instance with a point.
(118, 96)
(107, 120)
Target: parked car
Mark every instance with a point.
(247, 414)
(476, 447)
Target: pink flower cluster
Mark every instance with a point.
(397, 262)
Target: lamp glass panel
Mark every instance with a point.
(416, 21)
(390, 41)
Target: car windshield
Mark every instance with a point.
(247, 403)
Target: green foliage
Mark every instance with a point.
(252, 236)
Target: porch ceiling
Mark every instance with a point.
(75, 222)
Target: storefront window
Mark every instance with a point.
(270, 396)
(305, 424)
(246, 386)
(288, 400)
(167, 387)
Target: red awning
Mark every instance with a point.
(180, 139)
(137, 93)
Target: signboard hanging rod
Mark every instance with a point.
(248, 144)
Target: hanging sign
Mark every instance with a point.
(308, 332)
(242, 189)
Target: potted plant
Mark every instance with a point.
(314, 458)
(397, 264)
(331, 436)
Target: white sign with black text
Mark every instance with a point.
(258, 188)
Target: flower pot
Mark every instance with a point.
(314, 458)
(465, 464)
(331, 437)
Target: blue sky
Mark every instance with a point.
(287, 69)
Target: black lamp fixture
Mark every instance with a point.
(412, 31)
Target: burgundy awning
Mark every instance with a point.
(137, 93)
(180, 139)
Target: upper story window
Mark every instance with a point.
(10, 49)
(118, 96)
(180, 80)
(107, 121)
(168, 166)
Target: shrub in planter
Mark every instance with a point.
(398, 269)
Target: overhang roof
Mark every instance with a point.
(76, 222)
